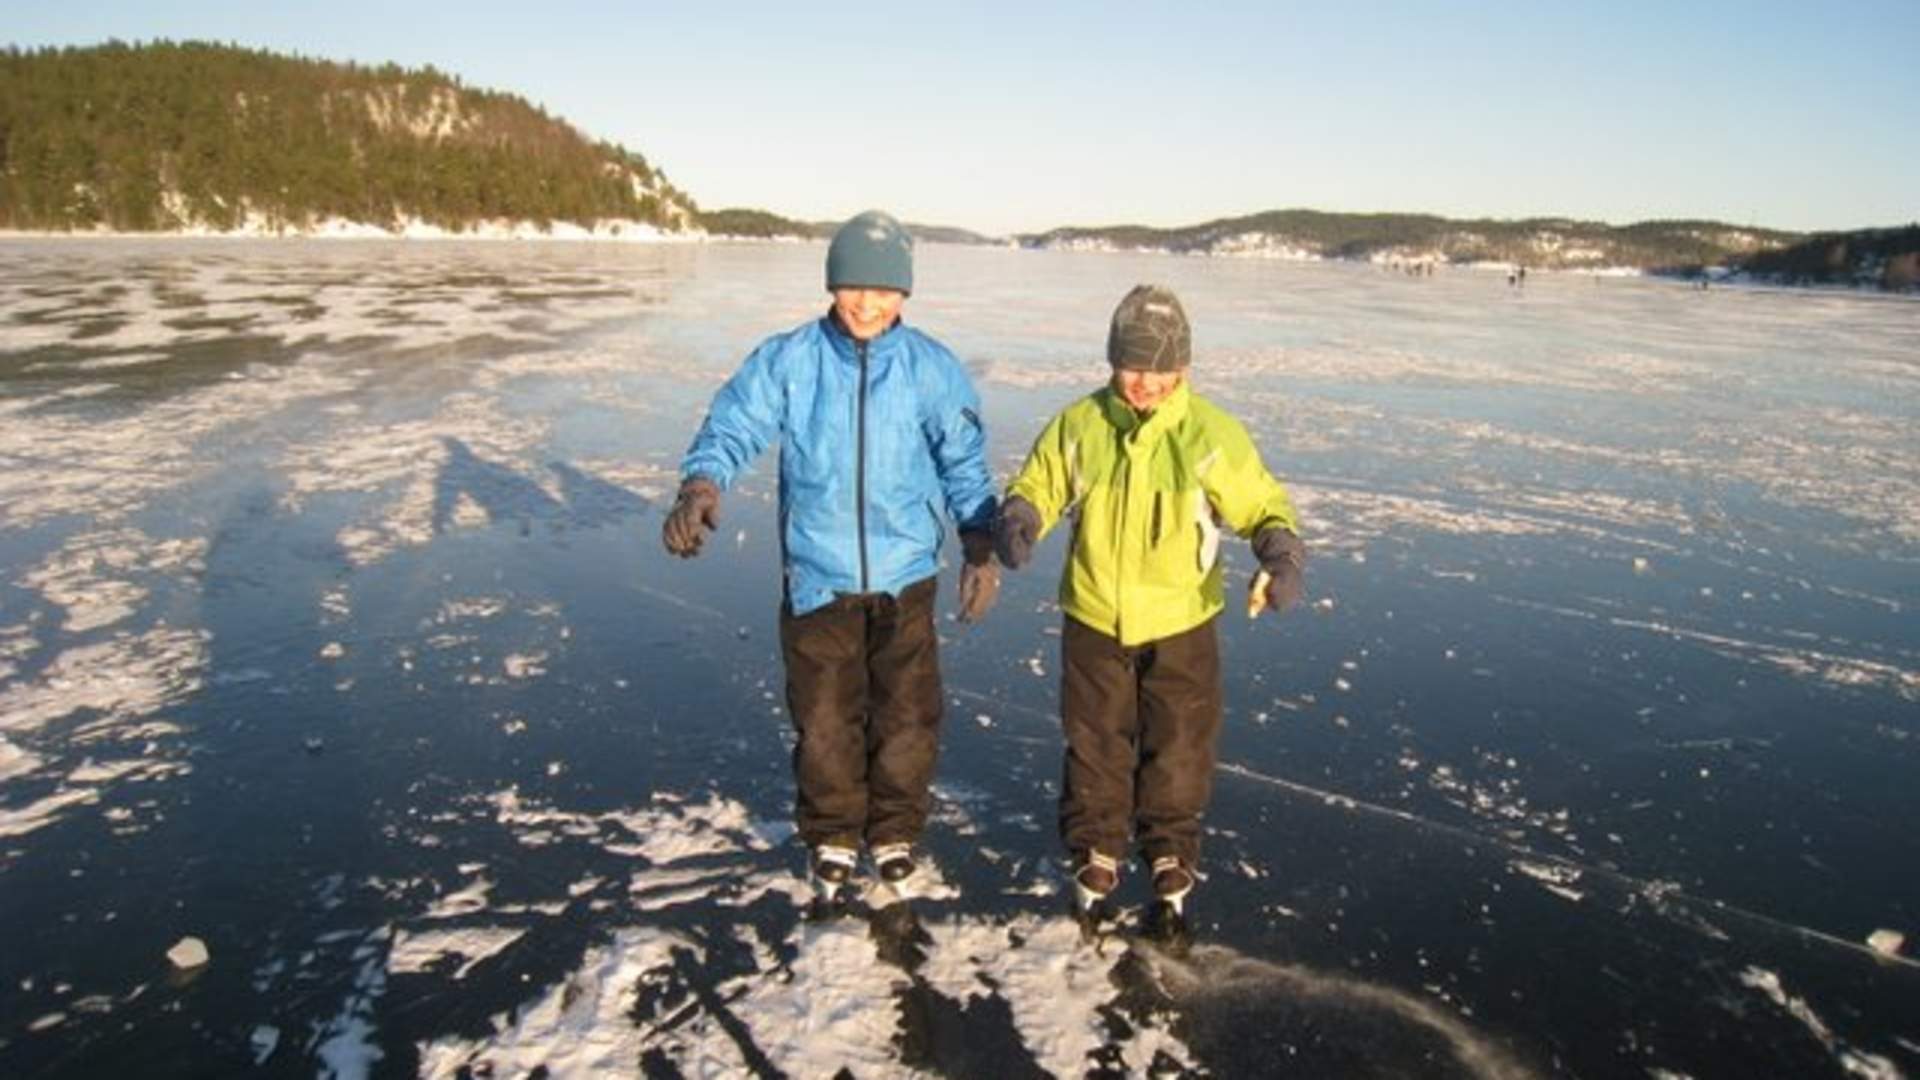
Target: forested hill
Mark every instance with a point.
(169, 136)
(752, 224)
(1556, 243)
(1888, 258)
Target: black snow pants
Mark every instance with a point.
(863, 687)
(1141, 724)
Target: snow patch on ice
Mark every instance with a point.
(1556, 878)
(15, 761)
(418, 950)
(580, 1026)
(665, 833)
(1855, 1062)
(345, 1044)
(112, 686)
(89, 576)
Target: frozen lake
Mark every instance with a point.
(335, 631)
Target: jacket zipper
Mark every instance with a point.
(860, 469)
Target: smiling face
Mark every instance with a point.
(1145, 390)
(866, 313)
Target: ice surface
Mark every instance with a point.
(1608, 658)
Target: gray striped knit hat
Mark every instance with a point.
(1150, 332)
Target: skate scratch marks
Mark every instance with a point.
(1214, 975)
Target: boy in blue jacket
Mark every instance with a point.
(879, 431)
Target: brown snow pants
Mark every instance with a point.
(863, 687)
(1141, 724)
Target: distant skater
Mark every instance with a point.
(880, 430)
(1149, 472)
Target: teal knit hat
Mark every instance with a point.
(873, 251)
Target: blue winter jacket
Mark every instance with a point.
(875, 438)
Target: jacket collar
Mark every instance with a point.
(1148, 428)
(848, 348)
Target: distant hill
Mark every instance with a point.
(170, 136)
(1549, 243)
(762, 224)
(1887, 258)
(756, 225)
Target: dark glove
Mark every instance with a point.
(1015, 532)
(1283, 565)
(695, 513)
(979, 578)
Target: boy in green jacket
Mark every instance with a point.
(1149, 472)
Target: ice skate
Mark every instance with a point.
(1093, 883)
(831, 869)
(898, 870)
(1167, 916)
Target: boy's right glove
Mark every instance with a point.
(1015, 532)
(695, 513)
(1282, 576)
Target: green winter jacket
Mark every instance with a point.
(1148, 496)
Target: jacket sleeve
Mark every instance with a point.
(1242, 491)
(950, 418)
(1045, 479)
(743, 418)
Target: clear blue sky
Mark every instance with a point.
(1018, 117)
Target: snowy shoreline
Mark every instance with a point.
(612, 230)
(637, 232)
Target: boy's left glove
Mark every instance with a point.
(979, 577)
(1015, 531)
(1282, 576)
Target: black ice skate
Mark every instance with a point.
(896, 865)
(831, 870)
(1167, 917)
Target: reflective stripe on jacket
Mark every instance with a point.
(1148, 496)
(876, 440)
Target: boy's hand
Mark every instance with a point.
(979, 578)
(695, 513)
(1282, 576)
(1015, 531)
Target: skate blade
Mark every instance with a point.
(828, 904)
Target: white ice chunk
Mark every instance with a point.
(188, 953)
